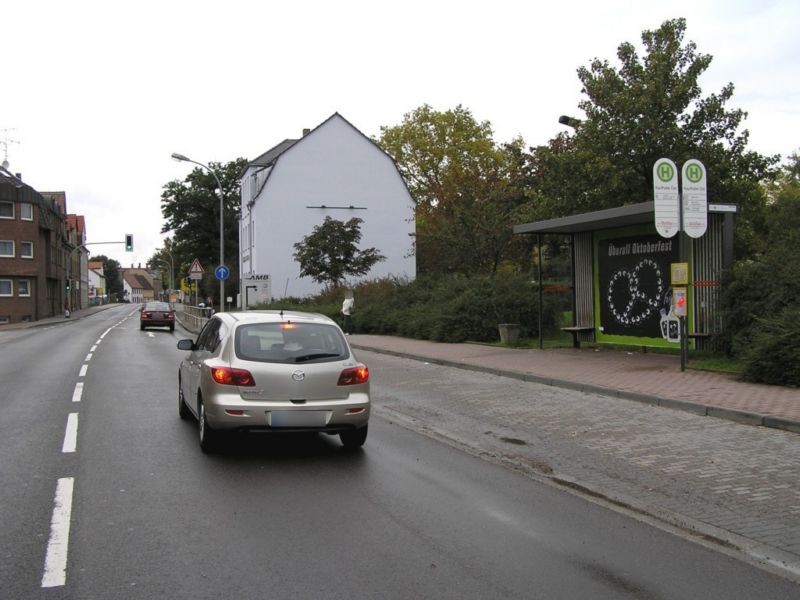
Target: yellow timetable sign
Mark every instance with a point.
(679, 273)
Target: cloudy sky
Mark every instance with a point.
(98, 94)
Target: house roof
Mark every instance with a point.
(132, 280)
(144, 282)
(270, 156)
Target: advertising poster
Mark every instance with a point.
(634, 278)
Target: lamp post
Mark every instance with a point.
(183, 158)
(171, 270)
(570, 121)
(171, 278)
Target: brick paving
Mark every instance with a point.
(652, 377)
(724, 479)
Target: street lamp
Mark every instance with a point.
(171, 278)
(183, 158)
(570, 121)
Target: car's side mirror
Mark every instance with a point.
(186, 345)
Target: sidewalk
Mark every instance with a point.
(60, 319)
(649, 378)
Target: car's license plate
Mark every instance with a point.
(297, 418)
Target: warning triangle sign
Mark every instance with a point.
(196, 268)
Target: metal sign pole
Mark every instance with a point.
(683, 258)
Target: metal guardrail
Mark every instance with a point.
(192, 318)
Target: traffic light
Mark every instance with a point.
(66, 284)
(128, 242)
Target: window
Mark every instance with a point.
(26, 211)
(24, 287)
(7, 248)
(6, 210)
(295, 343)
(26, 249)
(6, 288)
(210, 336)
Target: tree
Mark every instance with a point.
(191, 212)
(766, 284)
(330, 252)
(162, 260)
(466, 188)
(651, 107)
(111, 273)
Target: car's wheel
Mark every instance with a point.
(183, 410)
(141, 327)
(354, 438)
(172, 327)
(209, 438)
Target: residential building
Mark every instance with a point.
(97, 283)
(137, 285)
(33, 252)
(333, 171)
(79, 258)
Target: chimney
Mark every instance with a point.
(18, 176)
(306, 132)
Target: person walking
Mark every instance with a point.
(347, 310)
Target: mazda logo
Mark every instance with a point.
(298, 375)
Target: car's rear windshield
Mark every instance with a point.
(290, 342)
(162, 306)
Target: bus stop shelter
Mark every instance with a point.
(621, 274)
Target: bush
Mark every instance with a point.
(444, 308)
(774, 356)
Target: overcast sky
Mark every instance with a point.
(99, 94)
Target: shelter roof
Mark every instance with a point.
(621, 216)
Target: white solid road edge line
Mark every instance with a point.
(71, 434)
(55, 562)
(76, 395)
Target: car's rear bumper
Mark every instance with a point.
(232, 412)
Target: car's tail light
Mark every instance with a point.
(229, 376)
(354, 375)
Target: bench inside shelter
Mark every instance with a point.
(576, 331)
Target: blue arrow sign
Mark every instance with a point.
(222, 272)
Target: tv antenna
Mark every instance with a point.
(5, 142)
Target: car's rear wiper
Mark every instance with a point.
(306, 357)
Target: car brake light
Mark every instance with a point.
(229, 376)
(354, 375)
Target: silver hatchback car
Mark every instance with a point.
(275, 371)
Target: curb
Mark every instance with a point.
(703, 410)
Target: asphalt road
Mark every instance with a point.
(150, 516)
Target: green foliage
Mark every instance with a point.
(330, 252)
(766, 288)
(647, 108)
(444, 308)
(111, 273)
(774, 356)
(191, 212)
(468, 190)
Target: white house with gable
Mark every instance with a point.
(332, 171)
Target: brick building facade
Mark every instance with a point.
(36, 243)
